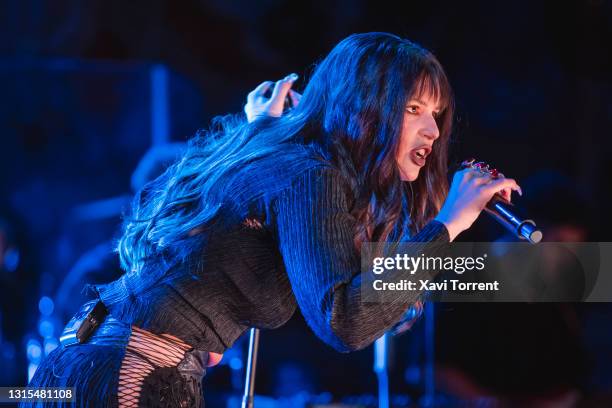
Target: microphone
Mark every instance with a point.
(501, 210)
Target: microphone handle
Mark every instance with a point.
(502, 211)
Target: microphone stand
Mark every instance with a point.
(381, 363)
(249, 384)
(429, 397)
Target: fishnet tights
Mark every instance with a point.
(145, 352)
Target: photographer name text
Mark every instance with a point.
(428, 285)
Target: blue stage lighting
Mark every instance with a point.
(34, 351)
(46, 328)
(11, 259)
(46, 306)
(50, 344)
(235, 363)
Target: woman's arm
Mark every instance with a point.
(315, 231)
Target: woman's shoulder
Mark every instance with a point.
(298, 174)
(322, 184)
(289, 163)
(313, 162)
(322, 174)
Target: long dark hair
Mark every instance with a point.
(350, 116)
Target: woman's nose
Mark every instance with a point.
(430, 129)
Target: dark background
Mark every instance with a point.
(77, 80)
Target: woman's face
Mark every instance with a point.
(419, 132)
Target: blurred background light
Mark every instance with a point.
(46, 306)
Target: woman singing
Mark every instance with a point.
(261, 217)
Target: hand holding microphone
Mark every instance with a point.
(476, 188)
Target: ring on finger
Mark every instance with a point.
(482, 167)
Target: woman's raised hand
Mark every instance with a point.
(260, 105)
(469, 193)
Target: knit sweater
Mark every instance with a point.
(294, 249)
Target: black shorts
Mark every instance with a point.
(93, 368)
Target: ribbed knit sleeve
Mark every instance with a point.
(315, 232)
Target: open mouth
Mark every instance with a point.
(419, 155)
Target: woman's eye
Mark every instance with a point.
(412, 109)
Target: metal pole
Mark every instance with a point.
(429, 375)
(381, 364)
(249, 384)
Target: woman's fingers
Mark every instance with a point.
(474, 174)
(507, 194)
(484, 179)
(259, 105)
(499, 185)
(259, 91)
(295, 97)
(477, 177)
(280, 92)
